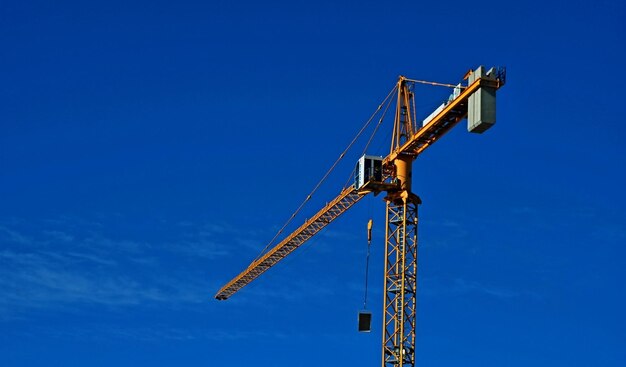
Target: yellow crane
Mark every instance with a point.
(474, 99)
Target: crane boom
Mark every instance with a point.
(454, 112)
(348, 197)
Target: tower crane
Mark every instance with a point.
(474, 99)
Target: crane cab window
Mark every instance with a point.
(368, 168)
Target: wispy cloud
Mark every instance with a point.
(158, 333)
(13, 236)
(59, 236)
(610, 233)
(444, 233)
(268, 294)
(213, 240)
(58, 281)
(64, 264)
(204, 248)
(460, 286)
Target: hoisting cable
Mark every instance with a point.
(414, 109)
(367, 260)
(380, 106)
(380, 120)
(432, 83)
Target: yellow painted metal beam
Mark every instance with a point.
(454, 112)
(311, 227)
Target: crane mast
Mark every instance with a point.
(476, 101)
(400, 286)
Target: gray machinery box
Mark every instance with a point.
(481, 108)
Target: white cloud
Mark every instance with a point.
(13, 236)
(460, 286)
(59, 236)
(64, 264)
(67, 266)
(156, 333)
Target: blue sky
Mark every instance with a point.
(149, 150)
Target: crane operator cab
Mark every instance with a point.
(368, 168)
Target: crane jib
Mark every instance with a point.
(311, 227)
